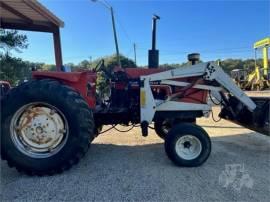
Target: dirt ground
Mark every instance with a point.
(265, 93)
(129, 167)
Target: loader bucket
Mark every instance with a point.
(258, 120)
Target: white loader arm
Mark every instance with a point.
(208, 71)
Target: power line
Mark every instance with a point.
(174, 43)
(129, 38)
(129, 52)
(225, 50)
(210, 50)
(123, 28)
(168, 52)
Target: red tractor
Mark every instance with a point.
(49, 122)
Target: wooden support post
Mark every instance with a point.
(57, 49)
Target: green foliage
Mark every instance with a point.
(109, 61)
(15, 69)
(249, 64)
(84, 65)
(12, 40)
(228, 64)
(48, 67)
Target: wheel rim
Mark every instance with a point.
(39, 130)
(188, 147)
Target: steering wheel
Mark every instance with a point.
(100, 65)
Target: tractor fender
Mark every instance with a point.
(63, 76)
(83, 82)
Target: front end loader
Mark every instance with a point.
(49, 122)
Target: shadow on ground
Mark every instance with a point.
(144, 173)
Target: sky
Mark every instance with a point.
(215, 29)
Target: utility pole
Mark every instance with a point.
(115, 39)
(135, 54)
(109, 7)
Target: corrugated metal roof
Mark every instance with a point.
(28, 13)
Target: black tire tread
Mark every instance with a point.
(182, 129)
(159, 122)
(158, 128)
(73, 101)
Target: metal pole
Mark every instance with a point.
(135, 55)
(153, 54)
(265, 62)
(115, 39)
(154, 34)
(107, 5)
(255, 57)
(154, 28)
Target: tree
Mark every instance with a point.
(84, 65)
(48, 67)
(111, 62)
(249, 64)
(12, 40)
(13, 69)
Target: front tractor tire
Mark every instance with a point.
(46, 127)
(187, 145)
(163, 126)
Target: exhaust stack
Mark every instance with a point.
(153, 54)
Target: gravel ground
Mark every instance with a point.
(265, 93)
(129, 167)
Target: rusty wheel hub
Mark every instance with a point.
(39, 129)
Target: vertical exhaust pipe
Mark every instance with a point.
(153, 54)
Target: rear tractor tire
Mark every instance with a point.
(187, 145)
(46, 128)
